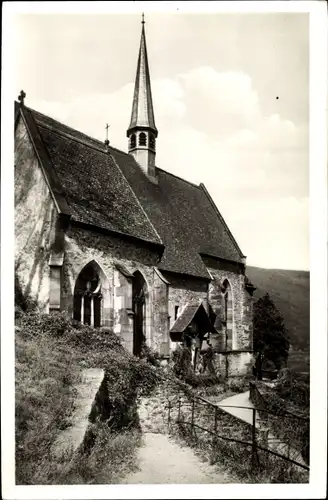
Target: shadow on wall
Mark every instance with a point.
(32, 264)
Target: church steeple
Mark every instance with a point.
(142, 131)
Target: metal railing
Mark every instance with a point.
(202, 416)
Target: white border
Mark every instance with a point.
(318, 258)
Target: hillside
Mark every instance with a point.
(51, 354)
(290, 291)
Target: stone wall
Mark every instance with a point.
(83, 246)
(236, 282)
(241, 308)
(183, 290)
(240, 363)
(35, 222)
(233, 364)
(160, 340)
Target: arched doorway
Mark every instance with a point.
(139, 291)
(88, 296)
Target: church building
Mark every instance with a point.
(116, 242)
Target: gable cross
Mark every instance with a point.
(21, 97)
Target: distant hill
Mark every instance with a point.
(290, 291)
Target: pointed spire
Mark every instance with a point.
(142, 108)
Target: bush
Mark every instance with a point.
(237, 384)
(201, 380)
(293, 387)
(149, 355)
(182, 362)
(182, 369)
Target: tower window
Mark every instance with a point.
(133, 141)
(142, 139)
(152, 141)
(176, 311)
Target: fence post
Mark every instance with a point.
(214, 444)
(192, 416)
(254, 450)
(179, 408)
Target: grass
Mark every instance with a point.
(51, 352)
(45, 376)
(112, 456)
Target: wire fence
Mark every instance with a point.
(253, 440)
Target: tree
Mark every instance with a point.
(271, 342)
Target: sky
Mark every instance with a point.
(231, 98)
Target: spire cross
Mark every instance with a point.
(21, 97)
(107, 127)
(143, 18)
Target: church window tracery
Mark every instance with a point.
(88, 296)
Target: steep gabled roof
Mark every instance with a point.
(185, 217)
(95, 189)
(192, 312)
(109, 190)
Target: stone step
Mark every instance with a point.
(71, 438)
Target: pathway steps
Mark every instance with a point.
(71, 438)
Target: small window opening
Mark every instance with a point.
(142, 139)
(133, 141)
(176, 311)
(152, 142)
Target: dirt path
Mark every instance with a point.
(274, 443)
(239, 400)
(162, 460)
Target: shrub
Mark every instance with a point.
(182, 362)
(237, 384)
(182, 369)
(149, 355)
(294, 388)
(201, 380)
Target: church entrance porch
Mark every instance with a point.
(191, 328)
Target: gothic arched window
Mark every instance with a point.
(227, 314)
(133, 141)
(142, 139)
(87, 296)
